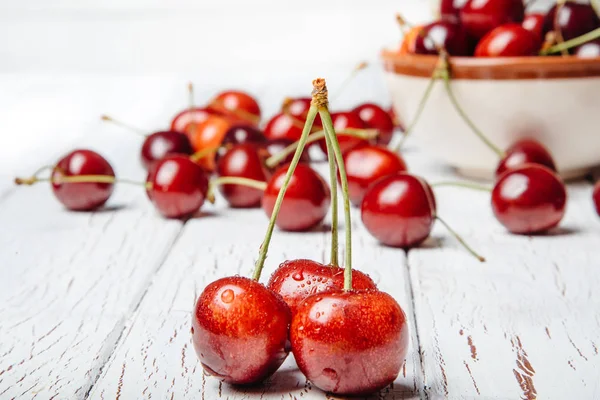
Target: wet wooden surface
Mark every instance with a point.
(97, 305)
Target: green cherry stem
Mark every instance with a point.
(330, 131)
(359, 67)
(233, 180)
(204, 152)
(467, 185)
(579, 40)
(79, 179)
(334, 200)
(264, 248)
(420, 109)
(461, 240)
(190, 96)
(121, 124)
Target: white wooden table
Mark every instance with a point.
(97, 305)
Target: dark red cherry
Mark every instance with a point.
(534, 23)
(274, 146)
(240, 330)
(295, 280)
(298, 107)
(239, 134)
(596, 197)
(450, 10)
(345, 120)
(350, 343)
(160, 144)
(523, 152)
(82, 196)
(479, 17)
(574, 19)
(588, 50)
(399, 210)
(529, 199)
(242, 160)
(509, 40)
(365, 165)
(442, 34)
(306, 200)
(178, 186)
(375, 117)
(284, 126)
(239, 106)
(188, 119)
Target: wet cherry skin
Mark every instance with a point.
(240, 330)
(187, 119)
(399, 210)
(82, 196)
(590, 49)
(450, 10)
(375, 117)
(179, 186)
(284, 126)
(574, 19)
(239, 106)
(508, 40)
(242, 160)
(209, 135)
(274, 146)
(365, 165)
(295, 280)
(529, 199)
(345, 120)
(596, 197)
(350, 342)
(534, 23)
(525, 151)
(481, 16)
(442, 34)
(306, 200)
(163, 143)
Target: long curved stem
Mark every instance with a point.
(204, 152)
(233, 180)
(264, 248)
(467, 185)
(461, 240)
(415, 119)
(359, 67)
(334, 201)
(122, 124)
(79, 179)
(579, 40)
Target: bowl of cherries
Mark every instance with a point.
(490, 72)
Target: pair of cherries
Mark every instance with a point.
(242, 331)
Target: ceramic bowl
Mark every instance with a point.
(555, 100)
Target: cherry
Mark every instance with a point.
(573, 19)
(442, 35)
(160, 144)
(529, 199)
(187, 120)
(525, 151)
(283, 126)
(590, 49)
(240, 330)
(450, 10)
(408, 42)
(295, 280)
(375, 117)
(209, 135)
(534, 23)
(481, 16)
(596, 197)
(398, 210)
(350, 342)
(508, 40)
(178, 186)
(397, 123)
(238, 106)
(366, 164)
(242, 160)
(306, 200)
(297, 107)
(239, 134)
(341, 121)
(274, 146)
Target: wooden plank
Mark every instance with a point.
(522, 325)
(156, 358)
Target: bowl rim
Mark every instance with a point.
(494, 68)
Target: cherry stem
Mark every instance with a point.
(131, 128)
(191, 96)
(420, 109)
(334, 200)
(275, 159)
(329, 129)
(461, 240)
(264, 248)
(79, 179)
(233, 180)
(204, 152)
(467, 185)
(596, 6)
(579, 40)
(359, 67)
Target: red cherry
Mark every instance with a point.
(341, 121)
(596, 197)
(295, 280)
(188, 119)
(588, 50)
(240, 330)
(160, 144)
(399, 210)
(179, 186)
(525, 151)
(306, 200)
(82, 196)
(375, 117)
(365, 165)
(529, 199)
(441, 34)
(298, 107)
(350, 343)
(481, 16)
(534, 23)
(242, 160)
(509, 40)
(397, 123)
(284, 126)
(274, 146)
(574, 19)
(239, 134)
(450, 10)
(239, 106)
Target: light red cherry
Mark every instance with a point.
(525, 151)
(509, 40)
(239, 106)
(375, 117)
